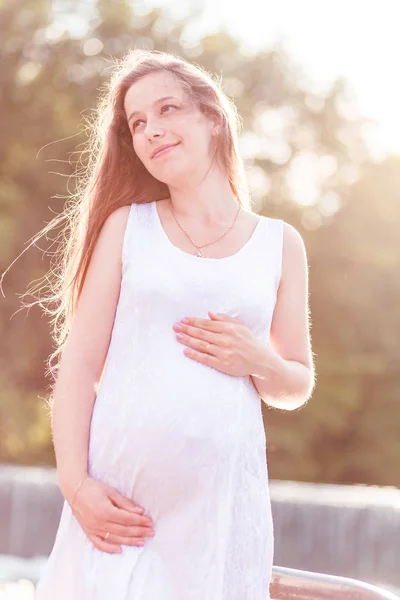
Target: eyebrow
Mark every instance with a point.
(136, 112)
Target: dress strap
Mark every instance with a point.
(278, 245)
(139, 232)
(272, 247)
(126, 244)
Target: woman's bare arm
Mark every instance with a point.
(284, 376)
(84, 354)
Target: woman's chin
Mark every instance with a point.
(170, 175)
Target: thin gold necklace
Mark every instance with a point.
(198, 248)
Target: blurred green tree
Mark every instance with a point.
(349, 432)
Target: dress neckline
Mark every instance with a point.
(203, 259)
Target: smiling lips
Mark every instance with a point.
(163, 149)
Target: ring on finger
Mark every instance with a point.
(106, 536)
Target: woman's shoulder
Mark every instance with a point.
(289, 243)
(119, 214)
(289, 234)
(294, 257)
(292, 238)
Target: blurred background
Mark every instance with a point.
(316, 85)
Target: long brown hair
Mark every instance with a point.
(113, 176)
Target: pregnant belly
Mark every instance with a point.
(171, 441)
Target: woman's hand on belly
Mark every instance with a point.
(221, 342)
(100, 510)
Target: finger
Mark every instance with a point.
(201, 357)
(123, 502)
(190, 341)
(199, 337)
(105, 545)
(224, 317)
(124, 540)
(216, 316)
(123, 517)
(199, 345)
(206, 333)
(130, 532)
(207, 324)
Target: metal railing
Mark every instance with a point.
(290, 584)
(286, 584)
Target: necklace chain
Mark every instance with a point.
(199, 251)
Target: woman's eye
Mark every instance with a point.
(168, 106)
(135, 124)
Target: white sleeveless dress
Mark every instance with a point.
(181, 439)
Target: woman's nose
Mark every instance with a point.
(153, 131)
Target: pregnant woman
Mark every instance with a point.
(182, 311)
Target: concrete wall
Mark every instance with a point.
(352, 531)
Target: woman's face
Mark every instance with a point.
(160, 113)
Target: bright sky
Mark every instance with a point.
(355, 38)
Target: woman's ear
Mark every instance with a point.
(217, 125)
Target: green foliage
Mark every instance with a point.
(49, 84)
(349, 431)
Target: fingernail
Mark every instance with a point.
(185, 320)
